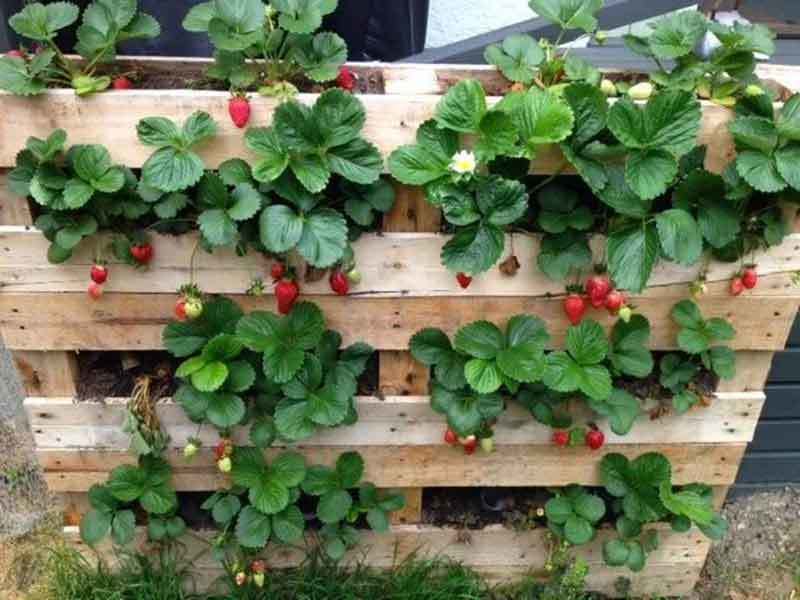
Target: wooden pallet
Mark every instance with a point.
(45, 318)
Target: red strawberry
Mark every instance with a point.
(121, 83)
(450, 437)
(239, 110)
(597, 288)
(736, 287)
(277, 271)
(99, 273)
(470, 445)
(575, 308)
(224, 448)
(614, 301)
(286, 291)
(339, 283)
(16, 54)
(595, 439)
(180, 309)
(95, 290)
(346, 79)
(560, 438)
(463, 280)
(142, 253)
(750, 278)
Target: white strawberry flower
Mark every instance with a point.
(463, 163)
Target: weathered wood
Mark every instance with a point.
(392, 265)
(13, 209)
(411, 212)
(421, 466)
(396, 421)
(51, 373)
(391, 122)
(126, 322)
(401, 375)
(499, 553)
(752, 370)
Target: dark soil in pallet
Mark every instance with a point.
(114, 374)
(475, 508)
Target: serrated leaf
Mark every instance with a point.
(632, 254)
(518, 57)
(569, 14)
(679, 235)
(462, 107)
(677, 35)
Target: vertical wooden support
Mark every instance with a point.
(47, 373)
(399, 373)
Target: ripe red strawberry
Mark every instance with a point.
(277, 271)
(239, 110)
(597, 288)
(121, 83)
(450, 437)
(470, 445)
(286, 291)
(99, 274)
(560, 438)
(180, 309)
(346, 79)
(595, 439)
(142, 253)
(750, 278)
(575, 308)
(614, 301)
(95, 290)
(223, 449)
(463, 280)
(16, 54)
(339, 284)
(736, 287)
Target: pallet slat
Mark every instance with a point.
(393, 265)
(396, 421)
(421, 466)
(497, 552)
(125, 322)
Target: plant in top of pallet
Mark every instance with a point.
(642, 493)
(269, 45)
(105, 24)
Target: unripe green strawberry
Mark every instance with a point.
(487, 444)
(608, 87)
(193, 308)
(641, 91)
(241, 578)
(224, 464)
(625, 313)
(601, 37)
(754, 91)
(191, 449)
(354, 275)
(258, 579)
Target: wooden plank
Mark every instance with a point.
(125, 322)
(411, 212)
(396, 421)
(391, 121)
(752, 370)
(13, 209)
(52, 373)
(421, 466)
(401, 375)
(392, 265)
(499, 553)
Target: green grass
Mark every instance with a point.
(163, 577)
(73, 577)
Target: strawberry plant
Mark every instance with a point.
(527, 61)
(768, 145)
(224, 210)
(573, 514)
(700, 337)
(268, 44)
(721, 74)
(339, 508)
(105, 24)
(174, 167)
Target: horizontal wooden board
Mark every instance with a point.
(110, 119)
(420, 466)
(60, 423)
(500, 554)
(126, 322)
(393, 265)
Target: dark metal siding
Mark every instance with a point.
(773, 458)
